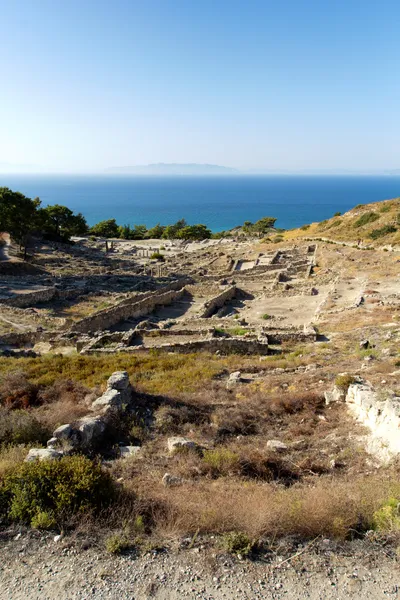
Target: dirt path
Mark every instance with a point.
(44, 569)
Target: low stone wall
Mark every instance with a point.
(19, 339)
(220, 345)
(139, 306)
(381, 415)
(211, 306)
(308, 334)
(29, 298)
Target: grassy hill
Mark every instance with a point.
(374, 224)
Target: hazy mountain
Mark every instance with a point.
(173, 169)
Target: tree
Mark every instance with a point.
(194, 232)
(18, 215)
(263, 225)
(108, 229)
(60, 223)
(172, 231)
(156, 232)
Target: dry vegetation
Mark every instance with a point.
(322, 484)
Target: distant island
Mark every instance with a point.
(173, 169)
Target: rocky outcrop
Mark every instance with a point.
(90, 432)
(380, 413)
(177, 443)
(42, 454)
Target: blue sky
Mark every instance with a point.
(300, 84)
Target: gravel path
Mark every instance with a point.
(37, 567)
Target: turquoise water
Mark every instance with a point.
(220, 202)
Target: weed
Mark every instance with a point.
(116, 543)
(343, 382)
(237, 542)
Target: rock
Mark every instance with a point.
(53, 442)
(118, 381)
(110, 399)
(233, 379)
(127, 451)
(42, 454)
(170, 480)
(65, 433)
(90, 430)
(364, 344)
(176, 443)
(276, 446)
(337, 394)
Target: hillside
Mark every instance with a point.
(376, 224)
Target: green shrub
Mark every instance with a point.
(221, 461)
(344, 381)
(337, 214)
(387, 518)
(61, 488)
(385, 230)
(368, 217)
(266, 316)
(116, 543)
(304, 227)
(157, 256)
(43, 520)
(236, 542)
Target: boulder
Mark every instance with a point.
(276, 446)
(42, 454)
(176, 443)
(170, 480)
(118, 381)
(337, 394)
(110, 399)
(90, 430)
(127, 451)
(233, 379)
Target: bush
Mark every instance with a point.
(116, 543)
(266, 316)
(236, 542)
(61, 488)
(343, 382)
(21, 427)
(304, 227)
(387, 518)
(221, 461)
(17, 392)
(368, 217)
(43, 520)
(157, 256)
(385, 230)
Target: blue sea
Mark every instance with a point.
(221, 202)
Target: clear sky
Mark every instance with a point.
(293, 84)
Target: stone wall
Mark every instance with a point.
(381, 415)
(19, 338)
(29, 298)
(220, 345)
(133, 308)
(211, 306)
